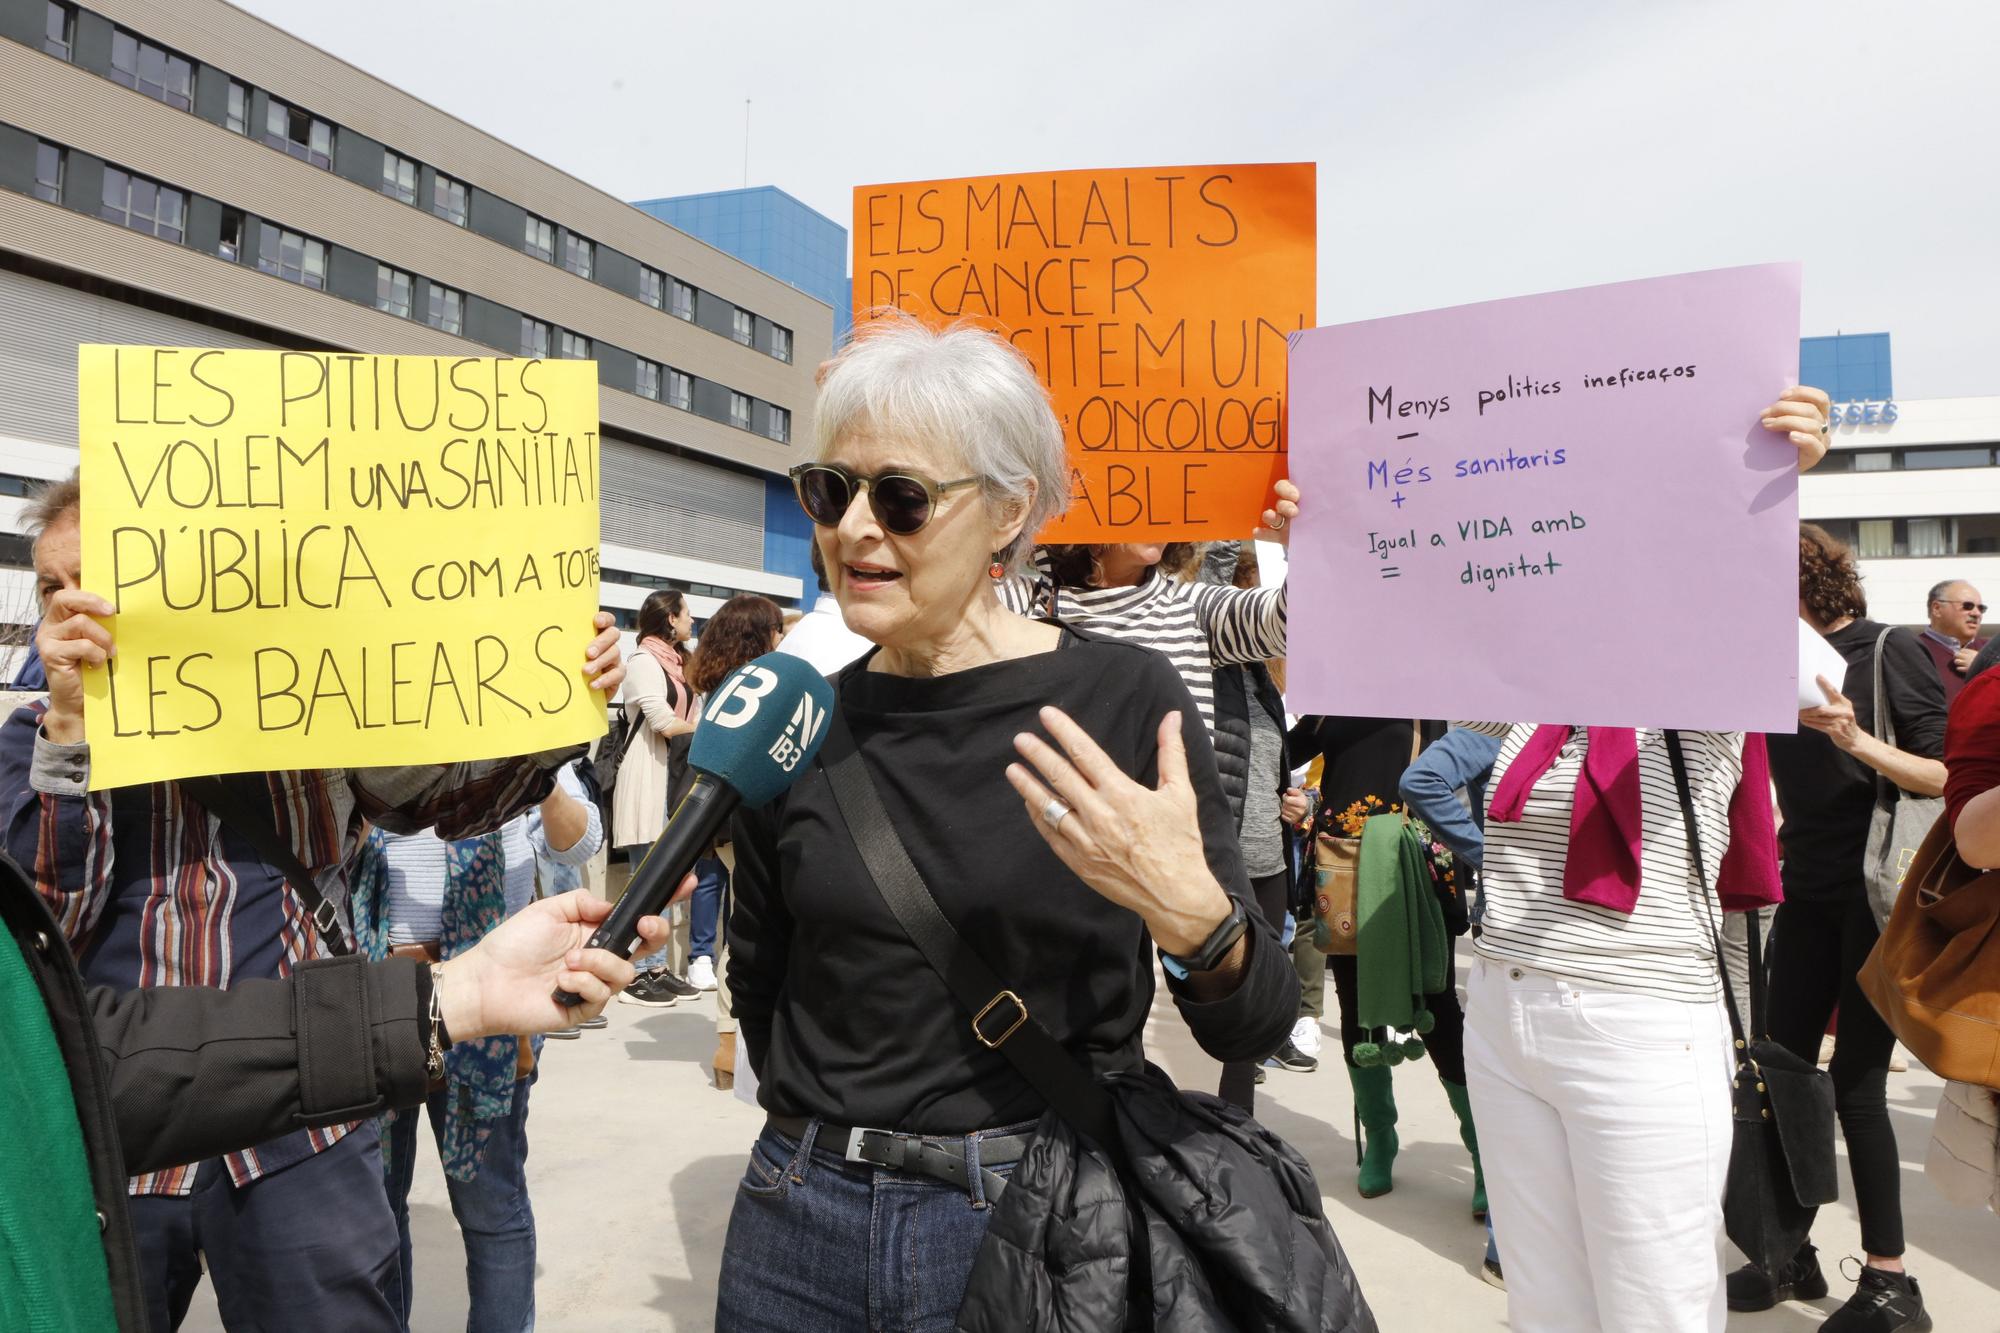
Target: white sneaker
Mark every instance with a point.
(1305, 1036)
(701, 974)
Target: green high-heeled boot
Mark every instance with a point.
(1375, 1111)
(1461, 1105)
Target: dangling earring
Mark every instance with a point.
(998, 569)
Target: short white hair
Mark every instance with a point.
(962, 389)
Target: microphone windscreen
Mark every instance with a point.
(762, 725)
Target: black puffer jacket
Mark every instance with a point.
(1235, 1237)
(1232, 730)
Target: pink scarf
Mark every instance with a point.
(1605, 824)
(669, 658)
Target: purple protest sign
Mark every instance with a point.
(1556, 508)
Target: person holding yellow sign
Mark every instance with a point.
(207, 882)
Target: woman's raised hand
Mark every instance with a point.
(1802, 416)
(1138, 846)
(1276, 523)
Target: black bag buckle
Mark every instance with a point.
(326, 920)
(1020, 1017)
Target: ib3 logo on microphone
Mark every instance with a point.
(736, 703)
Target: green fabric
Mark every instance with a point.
(1375, 1110)
(53, 1275)
(1403, 952)
(1461, 1105)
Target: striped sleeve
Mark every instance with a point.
(1242, 624)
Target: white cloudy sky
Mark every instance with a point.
(1466, 150)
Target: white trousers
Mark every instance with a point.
(1604, 1129)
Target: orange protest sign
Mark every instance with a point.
(1155, 303)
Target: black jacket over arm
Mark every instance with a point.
(168, 1075)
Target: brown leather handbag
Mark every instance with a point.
(1934, 976)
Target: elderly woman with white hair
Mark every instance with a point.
(1058, 795)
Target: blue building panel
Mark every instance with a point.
(769, 229)
(788, 537)
(1851, 367)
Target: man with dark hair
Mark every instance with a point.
(1952, 638)
(153, 885)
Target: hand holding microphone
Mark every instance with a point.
(758, 733)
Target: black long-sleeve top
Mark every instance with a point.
(1825, 794)
(1365, 756)
(841, 1015)
(168, 1075)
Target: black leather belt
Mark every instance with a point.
(937, 1157)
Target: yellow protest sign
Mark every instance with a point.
(331, 560)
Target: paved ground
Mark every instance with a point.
(636, 1157)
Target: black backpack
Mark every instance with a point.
(600, 776)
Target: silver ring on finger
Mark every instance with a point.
(1053, 813)
(1276, 524)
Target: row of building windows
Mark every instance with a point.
(1914, 458)
(1917, 538)
(170, 78)
(142, 204)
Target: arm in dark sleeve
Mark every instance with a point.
(759, 928)
(1251, 1021)
(1306, 741)
(194, 1072)
(1916, 696)
(460, 800)
(58, 831)
(1430, 787)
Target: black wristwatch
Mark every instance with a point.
(1214, 949)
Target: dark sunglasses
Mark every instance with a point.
(1980, 607)
(903, 502)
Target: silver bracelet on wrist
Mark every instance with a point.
(434, 1051)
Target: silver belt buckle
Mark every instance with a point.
(853, 1153)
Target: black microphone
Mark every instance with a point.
(759, 731)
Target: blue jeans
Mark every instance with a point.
(711, 882)
(493, 1216)
(819, 1243)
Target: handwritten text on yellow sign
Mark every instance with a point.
(334, 560)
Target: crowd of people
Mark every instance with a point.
(1084, 754)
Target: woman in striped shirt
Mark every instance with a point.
(1596, 1044)
(1130, 591)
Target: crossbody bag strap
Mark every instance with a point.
(1000, 1018)
(226, 802)
(1686, 793)
(1886, 793)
